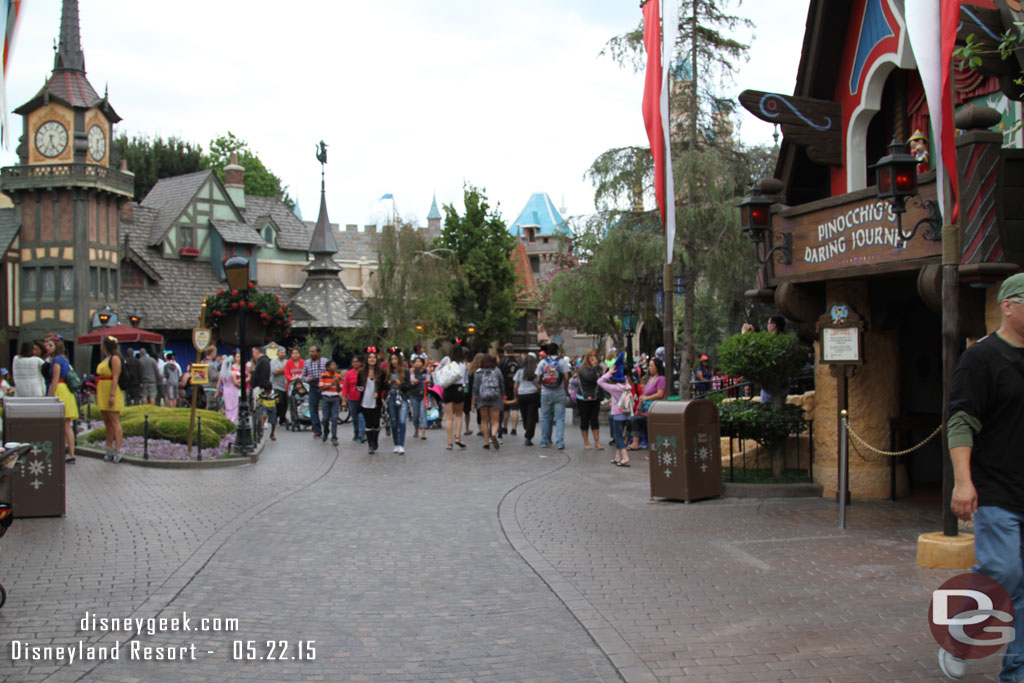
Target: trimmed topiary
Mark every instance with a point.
(211, 419)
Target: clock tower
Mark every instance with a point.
(67, 193)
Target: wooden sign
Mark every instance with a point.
(200, 373)
(200, 338)
(852, 235)
(842, 336)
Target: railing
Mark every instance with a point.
(729, 388)
(45, 175)
(799, 429)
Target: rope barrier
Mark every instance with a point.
(892, 454)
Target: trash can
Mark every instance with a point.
(37, 483)
(685, 451)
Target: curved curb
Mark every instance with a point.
(230, 461)
(629, 665)
(167, 592)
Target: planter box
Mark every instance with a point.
(231, 328)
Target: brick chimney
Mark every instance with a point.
(234, 182)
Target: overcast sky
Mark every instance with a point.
(412, 96)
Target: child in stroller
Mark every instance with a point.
(298, 410)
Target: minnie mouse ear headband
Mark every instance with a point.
(395, 349)
(371, 349)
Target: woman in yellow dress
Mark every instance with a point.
(110, 398)
(58, 387)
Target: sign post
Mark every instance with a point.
(841, 347)
(200, 340)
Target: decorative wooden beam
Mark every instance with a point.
(813, 124)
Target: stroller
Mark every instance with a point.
(435, 407)
(9, 456)
(298, 407)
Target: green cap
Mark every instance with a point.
(1012, 287)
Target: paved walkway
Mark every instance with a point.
(526, 564)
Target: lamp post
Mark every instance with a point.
(629, 322)
(756, 221)
(896, 174)
(470, 331)
(237, 270)
(134, 320)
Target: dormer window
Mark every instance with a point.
(268, 235)
(186, 237)
(531, 234)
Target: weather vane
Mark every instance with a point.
(321, 156)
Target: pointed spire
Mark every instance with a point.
(434, 213)
(69, 55)
(323, 242)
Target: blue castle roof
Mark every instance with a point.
(434, 213)
(539, 212)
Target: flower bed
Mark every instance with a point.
(160, 449)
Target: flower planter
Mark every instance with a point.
(188, 252)
(231, 328)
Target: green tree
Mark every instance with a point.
(612, 260)
(701, 146)
(151, 159)
(259, 180)
(410, 291)
(483, 287)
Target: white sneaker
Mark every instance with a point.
(954, 667)
(395, 449)
(118, 455)
(401, 450)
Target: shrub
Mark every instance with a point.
(763, 357)
(168, 426)
(211, 419)
(765, 423)
(176, 429)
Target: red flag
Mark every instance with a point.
(950, 18)
(652, 98)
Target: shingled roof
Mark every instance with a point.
(237, 233)
(169, 197)
(292, 232)
(173, 301)
(9, 226)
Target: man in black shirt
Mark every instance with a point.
(986, 436)
(509, 366)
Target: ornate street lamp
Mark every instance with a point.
(756, 221)
(237, 270)
(134, 320)
(629, 320)
(896, 174)
(104, 315)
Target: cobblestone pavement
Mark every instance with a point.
(412, 568)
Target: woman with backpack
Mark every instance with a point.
(588, 399)
(451, 376)
(488, 395)
(527, 395)
(110, 397)
(60, 367)
(615, 383)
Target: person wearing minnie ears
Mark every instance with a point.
(553, 378)
(110, 398)
(985, 433)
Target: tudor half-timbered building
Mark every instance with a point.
(67, 193)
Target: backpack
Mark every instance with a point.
(490, 385)
(551, 374)
(626, 402)
(129, 377)
(72, 379)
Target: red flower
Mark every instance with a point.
(234, 305)
(220, 292)
(234, 292)
(280, 310)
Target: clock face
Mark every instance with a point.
(97, 143)
(51, 139)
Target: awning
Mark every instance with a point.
(123, 333)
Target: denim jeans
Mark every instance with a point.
(617, 431)
(331, 407)
(398, 412)
(358, 421)
(419, 412)
(552, 405)
(314, 409)
(999, 545)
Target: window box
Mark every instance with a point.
(188, 252)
